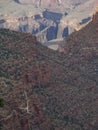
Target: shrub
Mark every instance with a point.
(1, 102)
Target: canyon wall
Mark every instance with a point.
(48, 20)
(46, 26)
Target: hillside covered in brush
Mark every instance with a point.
(42, 89)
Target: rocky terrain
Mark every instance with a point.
(42, 89)
(48, 20)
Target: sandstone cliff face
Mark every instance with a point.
(44, 26)
(31, 25)
(66, 27)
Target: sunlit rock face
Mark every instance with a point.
(95, 16)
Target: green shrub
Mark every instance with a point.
(2, 102)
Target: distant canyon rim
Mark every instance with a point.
(48, 20)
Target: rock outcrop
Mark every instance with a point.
(95, 16)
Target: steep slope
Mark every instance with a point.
(47, 90)
(86, 37)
